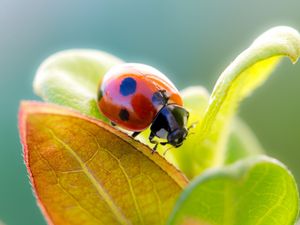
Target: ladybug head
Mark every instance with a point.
(170, 123)
(177, 137)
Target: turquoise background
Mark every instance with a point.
(191, 41)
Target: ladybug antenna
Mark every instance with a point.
(193, 125)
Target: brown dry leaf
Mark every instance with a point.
(86, 172)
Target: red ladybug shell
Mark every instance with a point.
(128, 95)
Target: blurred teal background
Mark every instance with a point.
(191, 41)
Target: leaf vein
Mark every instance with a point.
(102, 192)
(64, 189)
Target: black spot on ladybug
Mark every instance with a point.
(159, 98)
(128, 86)
(124, 115)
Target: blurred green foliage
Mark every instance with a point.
(190, 41)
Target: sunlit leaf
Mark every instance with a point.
(86, 172)
(195, 101)
(249, 70)
(71, 78)
(258, 191)
(242, 142)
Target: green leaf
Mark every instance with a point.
(242, 142)
(258, 191)
(195, 101)
(71, 78)
(83, 171)
(249, 70)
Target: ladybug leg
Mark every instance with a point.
(155, 142)
(152, 135)
(164, 143)
(113, 124)
(134, 134)
(165, 152)
(154, 148)
(156, 145)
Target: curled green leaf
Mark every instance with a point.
(249, 70)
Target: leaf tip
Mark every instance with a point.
(284, 36)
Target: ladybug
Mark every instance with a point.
(135, 96)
